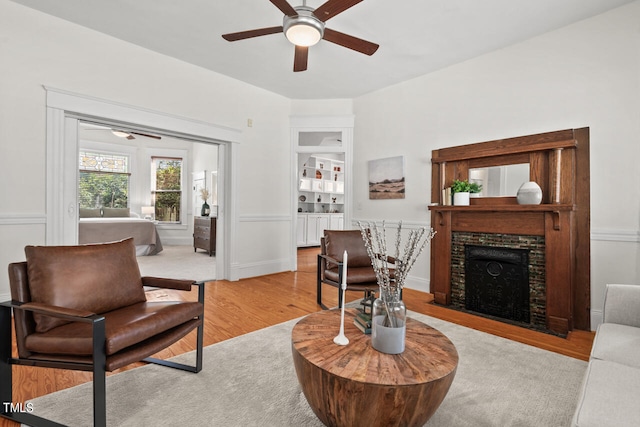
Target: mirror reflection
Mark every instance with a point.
(500, 181)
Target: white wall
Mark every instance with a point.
(587, 74)
(584, 75)
(321, 107)
(37, 49)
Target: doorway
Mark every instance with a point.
(321, 159)
(64, 110)
(135, 183)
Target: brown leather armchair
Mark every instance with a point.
(84, 308)
(360, 274)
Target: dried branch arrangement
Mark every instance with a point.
(400, 263)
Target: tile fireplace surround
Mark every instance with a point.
(559, 163)
(534, 245)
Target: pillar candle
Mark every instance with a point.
(344, 269)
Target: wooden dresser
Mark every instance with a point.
(204, 234)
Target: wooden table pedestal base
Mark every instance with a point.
(355, 385)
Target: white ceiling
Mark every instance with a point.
(415, 36)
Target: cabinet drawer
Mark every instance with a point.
(202, 243)
(203, 222)
(202, 231)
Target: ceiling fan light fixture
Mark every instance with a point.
(121, 134)
(304, 29)
(303, 35)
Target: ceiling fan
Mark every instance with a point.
(129, 134)
(304, 26)
(120, 132)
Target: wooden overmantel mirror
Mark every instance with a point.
(552, 239)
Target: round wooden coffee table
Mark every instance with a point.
(356, 385)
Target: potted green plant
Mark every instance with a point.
(475, 189)
(461, 190)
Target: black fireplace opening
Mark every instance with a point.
(497, 282)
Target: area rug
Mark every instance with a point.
(250, 381)
(179, 262)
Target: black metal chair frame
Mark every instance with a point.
(98, 367)
(325, 258)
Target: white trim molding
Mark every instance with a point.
(393, 224)
(87, 105)
(22, 219)
(417, 283)
(596, 319)
(631, 236)
(265, 218)
(261, 268)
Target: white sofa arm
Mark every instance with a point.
(622, 305)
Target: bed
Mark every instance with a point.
(101, 229)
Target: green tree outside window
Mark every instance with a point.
(167, 189)
(104, 180)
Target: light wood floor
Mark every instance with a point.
(236, 308)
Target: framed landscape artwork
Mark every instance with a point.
(386, 178)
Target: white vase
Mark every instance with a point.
(386, 339)
(388, 323)
(529, 193)
(461, 199)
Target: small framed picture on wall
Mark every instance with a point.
(386, 178)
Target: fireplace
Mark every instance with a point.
(555, 232)
(497, 282)
(501, 276)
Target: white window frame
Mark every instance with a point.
(184, 185)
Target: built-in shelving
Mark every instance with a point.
(321, 186)
(320, 198)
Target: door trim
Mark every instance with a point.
(65, 108)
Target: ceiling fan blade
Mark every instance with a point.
(284, 7)
(232, 37)
(333, 7)
(350, 42)
(145, 134)
(300, 58)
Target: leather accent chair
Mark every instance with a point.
(360, 274)
(84, 308)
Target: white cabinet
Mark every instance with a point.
(316, 224)
(301, 233)
(321, 185)
(311, 227)
(336, 222)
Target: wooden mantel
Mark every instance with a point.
(559, 163)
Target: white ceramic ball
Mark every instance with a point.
(529, 193)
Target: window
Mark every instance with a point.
(166, 188)
(104, 180)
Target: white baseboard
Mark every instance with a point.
(241, 271)
(596, 319)
(418, 284)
